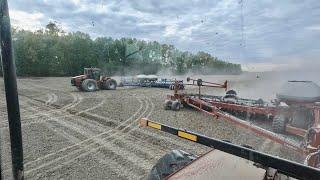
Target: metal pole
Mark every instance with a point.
(10, 82)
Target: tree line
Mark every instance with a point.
(52, 52)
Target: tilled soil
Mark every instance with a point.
(69, 134)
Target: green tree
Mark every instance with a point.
(51, 52)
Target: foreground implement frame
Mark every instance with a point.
(10, 82)
(283, 166)
(214, 111)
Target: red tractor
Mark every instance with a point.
(92, 80)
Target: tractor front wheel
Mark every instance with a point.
(110, 84)
(89, 85)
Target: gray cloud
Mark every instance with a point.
(274, 31)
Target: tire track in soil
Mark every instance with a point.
(73, 124)
(81, 114)
(157, 136)
(71, 114)
(24, 107)
(125, 129)
(123, 158)
(68, 107)
(101, 134)
(151, 151)
(145, 162)
(85, 146)
(61, 132)
(75, 99)
(66, 133)
(147, 156)
(52, 97)
(22, 103)
(38, 114)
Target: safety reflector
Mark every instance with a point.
(187, 136)
(154, 125)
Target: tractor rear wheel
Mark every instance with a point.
(89, 85)
(279, 124)
(170, 163)
(167, 104)
(110, 84)
(175, 105)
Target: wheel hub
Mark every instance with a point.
(112, 85)
(91, 86)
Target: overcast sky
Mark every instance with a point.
(261, 31)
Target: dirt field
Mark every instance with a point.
(75, 135)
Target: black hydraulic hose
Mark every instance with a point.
(10, 82)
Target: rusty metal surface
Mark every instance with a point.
(245, 124)
(297, 131)
(219, 166)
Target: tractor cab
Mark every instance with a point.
(93, 73)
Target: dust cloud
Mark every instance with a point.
(263, 85)
(254, 85)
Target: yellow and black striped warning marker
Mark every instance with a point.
(290, 168)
